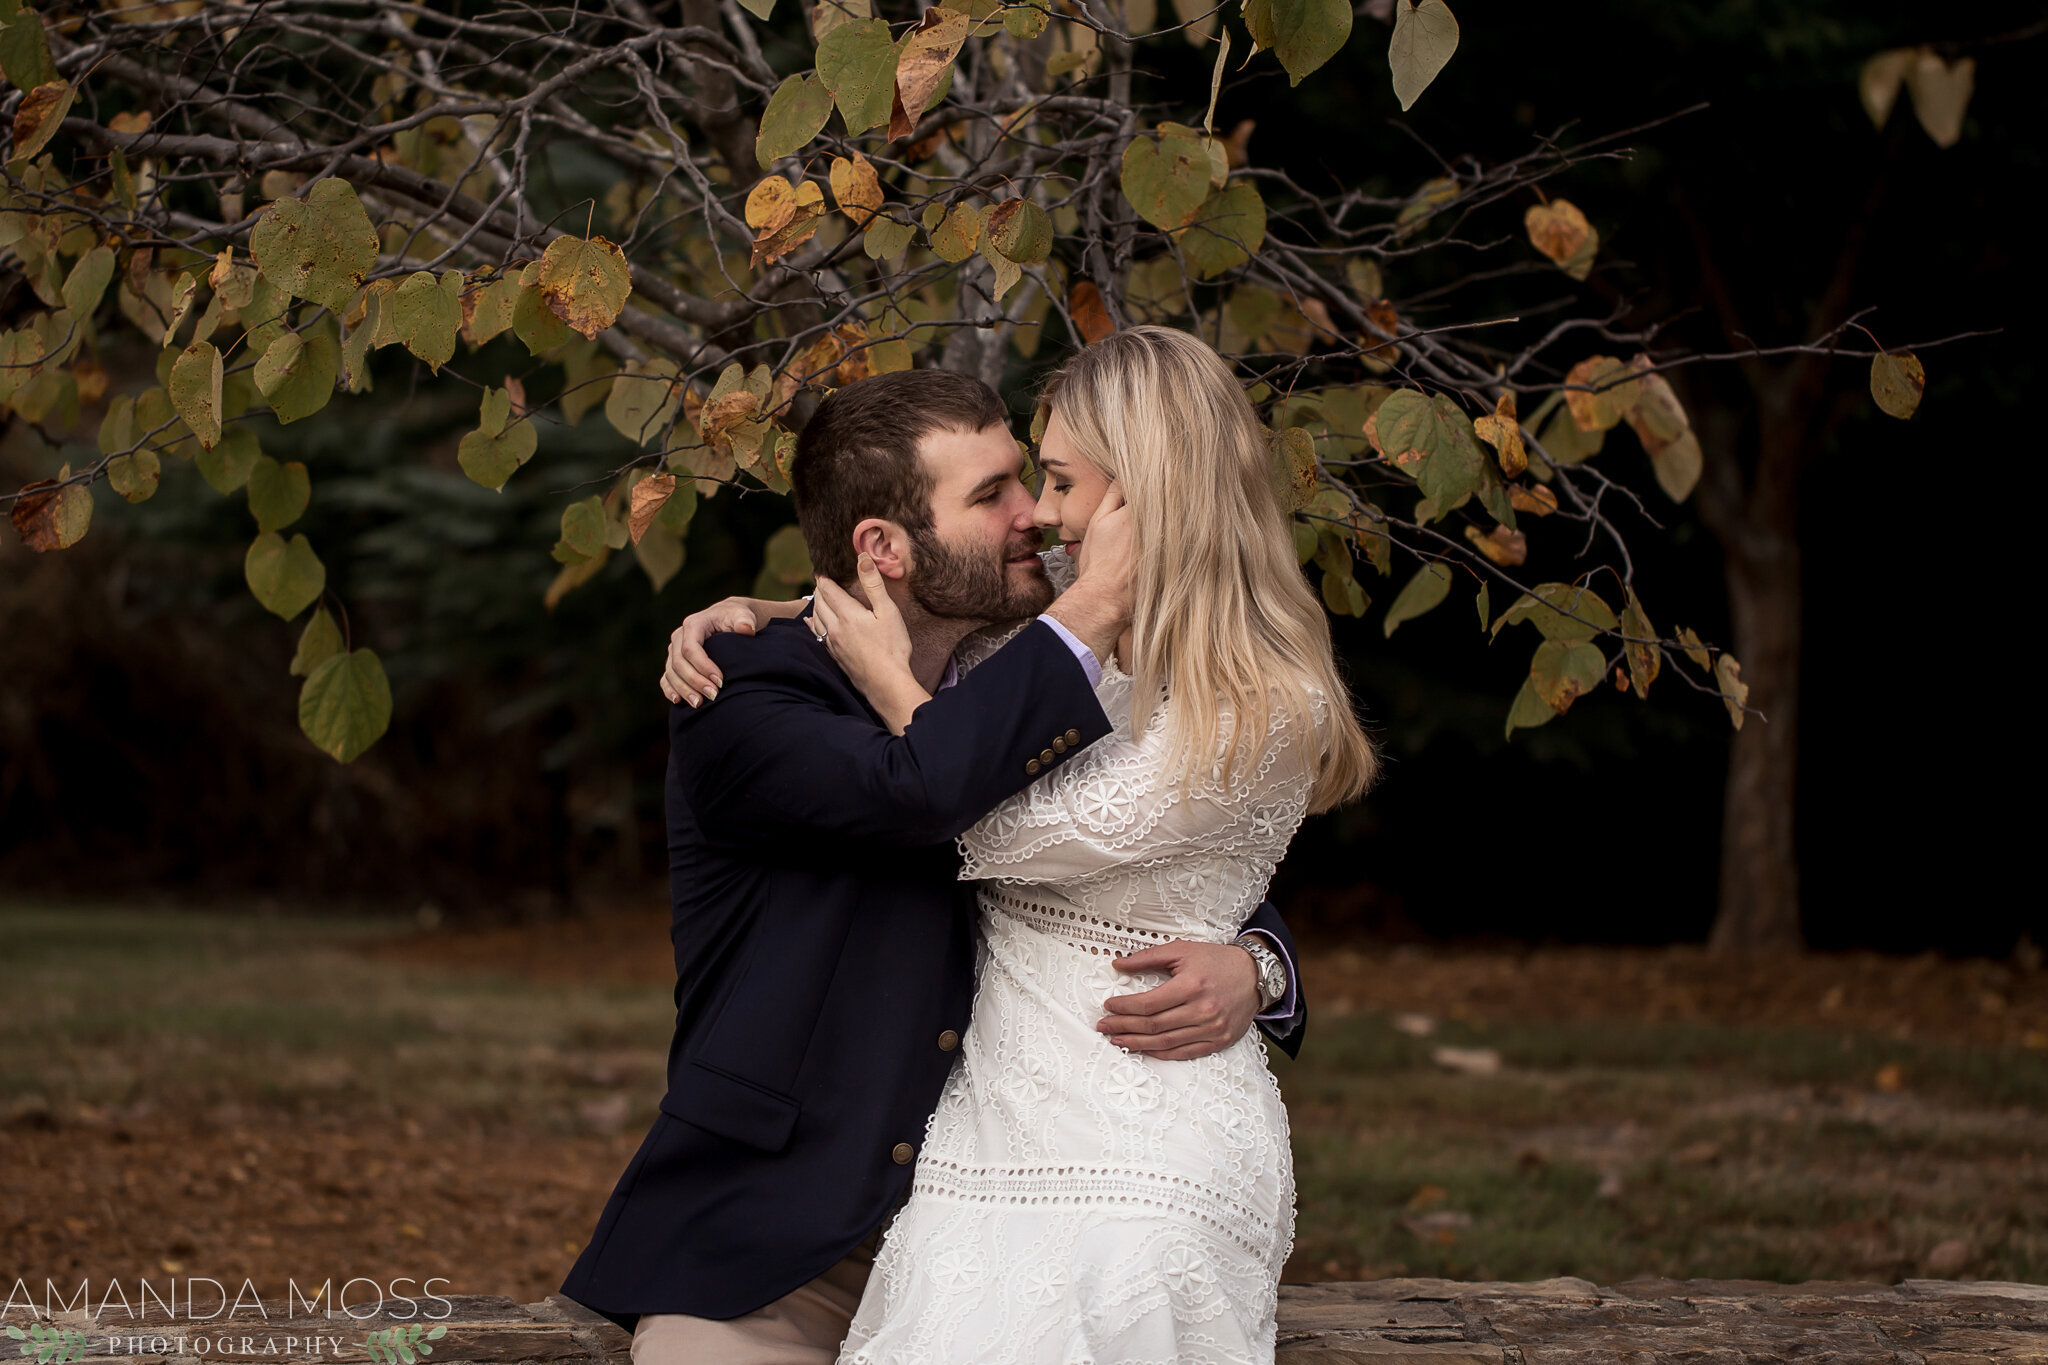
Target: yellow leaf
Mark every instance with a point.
(954, 239)
(1596, 393)
(1501, 431)
(585, 282)
(1878, 85)
(1941, 94)
(1734, 691)
(770, 204)
(1897, 380)
(1504, 547)
(856, 188)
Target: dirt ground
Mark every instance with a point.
(272, 1187)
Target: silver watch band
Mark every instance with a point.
(1272, 972)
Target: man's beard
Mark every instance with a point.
(975, 584)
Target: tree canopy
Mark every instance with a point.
(689, 222)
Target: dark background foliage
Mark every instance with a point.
(147, 733)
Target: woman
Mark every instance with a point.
(1073, 1202)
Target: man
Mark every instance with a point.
(823, 942)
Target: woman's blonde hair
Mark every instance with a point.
(1224, 616)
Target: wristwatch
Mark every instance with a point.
(1272, 971)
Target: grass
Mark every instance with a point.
(1603, 1149)
(1727, 1153)
(181, 1011)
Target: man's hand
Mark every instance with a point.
(1207, 1006)
(1098, 606)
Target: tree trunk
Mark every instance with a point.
(1759, 900)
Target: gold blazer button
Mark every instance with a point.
(1073, 736)
(902, 1153)
(1031, 767)
(948, 1041)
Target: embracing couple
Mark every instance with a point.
(968, 858)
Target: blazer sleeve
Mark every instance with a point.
(773, 757)
(1290, 1028)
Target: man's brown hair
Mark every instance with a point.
(857, 456)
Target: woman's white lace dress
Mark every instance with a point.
(1073, 1202)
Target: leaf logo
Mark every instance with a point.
(402, 1345)
(51, 1345)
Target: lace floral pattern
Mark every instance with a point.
(1074, 1204)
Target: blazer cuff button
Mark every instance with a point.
(902, 1153)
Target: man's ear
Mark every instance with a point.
(888, 543)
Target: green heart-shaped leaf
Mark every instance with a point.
(345, 706)
(286, 578)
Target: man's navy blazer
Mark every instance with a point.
(824, 950)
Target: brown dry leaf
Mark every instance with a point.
(815, 366)
(857, 188)
(1596, 401)
(648, 497)
(1085, 306)
(1504, 434)
(923, 56)
(48, 517)
(1382, 315)
(1539, 500)
(785, 389)
(1890, 1078)
(722, 414)
(133, 121)
(790, 224)
(515, 391)
(1504, 547)
(1620, 678)
(37, 116)
(853, 340)
(1557, 229)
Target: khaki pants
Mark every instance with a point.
(803, 1327)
